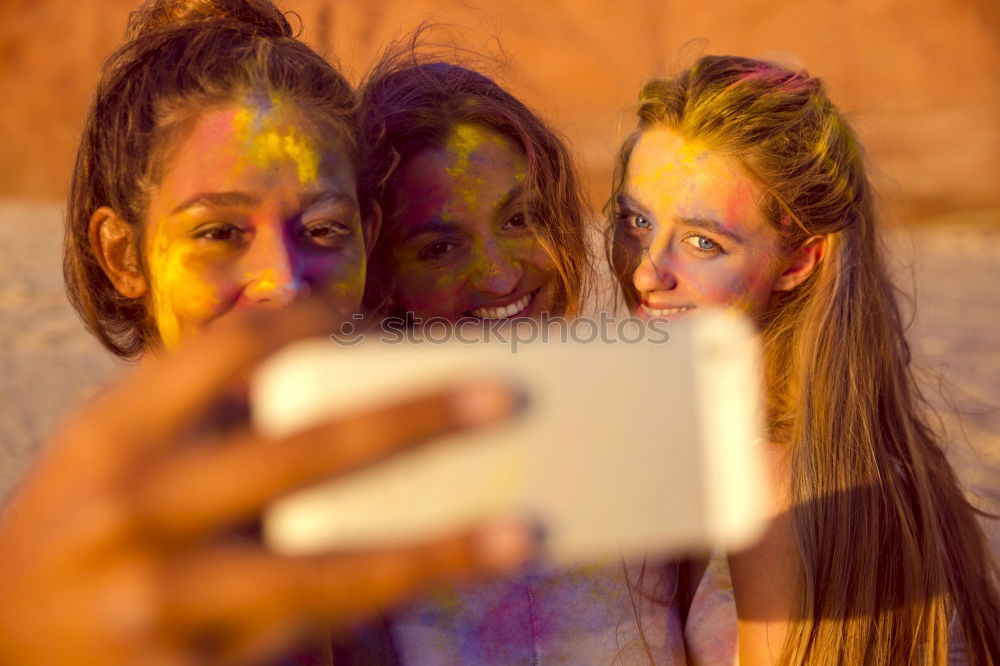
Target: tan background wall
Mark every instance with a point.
(919, 77)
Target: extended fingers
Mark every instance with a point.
(211, 487)
(225, 599)
(166, 393)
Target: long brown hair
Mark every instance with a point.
(182, 57)
(410, 103)
(891, 550)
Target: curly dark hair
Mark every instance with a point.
(410, 103)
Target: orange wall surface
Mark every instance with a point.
(919, 78)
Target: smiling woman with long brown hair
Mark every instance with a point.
(744, 187)
(484, 215)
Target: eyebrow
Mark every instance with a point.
(712, 225)
(219, 199)
(625, 201)
(432, 225)
(511, 196)
(329, 196)
(233, 199)
(708, 224)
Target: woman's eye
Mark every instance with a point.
(222, 232)
(704, 244)
(518, 221)
(634, 224)
(436, 250)
(325, 232)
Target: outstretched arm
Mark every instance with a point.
(114, 552)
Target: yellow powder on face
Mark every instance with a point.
(348, 288)
(267, 142)
(666, 165)
(519, 174)
(267, 280)
(469, 189)
(177, 288)
(690, 152)
(464, 140)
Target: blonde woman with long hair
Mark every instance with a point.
(744, 187)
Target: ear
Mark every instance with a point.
(113, 241)
(801, 264)
(372, 228)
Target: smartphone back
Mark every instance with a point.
(650, 447)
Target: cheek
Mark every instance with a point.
(534, 252)
(187, 289)
(744, 286)
(500, 256)
(340, 275)
(423, 289)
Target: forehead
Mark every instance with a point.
(667, 172)
(252, 143)
(474, 170)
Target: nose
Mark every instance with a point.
(654, 271)
(272, 271)
(493, 271)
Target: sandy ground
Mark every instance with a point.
(48, 362)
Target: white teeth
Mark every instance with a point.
(665, 312)
(505, 311)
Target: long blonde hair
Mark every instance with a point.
(891, 550)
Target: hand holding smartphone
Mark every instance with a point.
(625, 449)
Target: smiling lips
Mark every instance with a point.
(664, 312)
(505, 311)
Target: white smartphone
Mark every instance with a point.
(626, 448)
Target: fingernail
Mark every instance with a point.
(485, 402)
(506, 543)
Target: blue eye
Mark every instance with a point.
(703, 244)
(641, 222)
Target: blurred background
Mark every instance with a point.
(918, 78)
